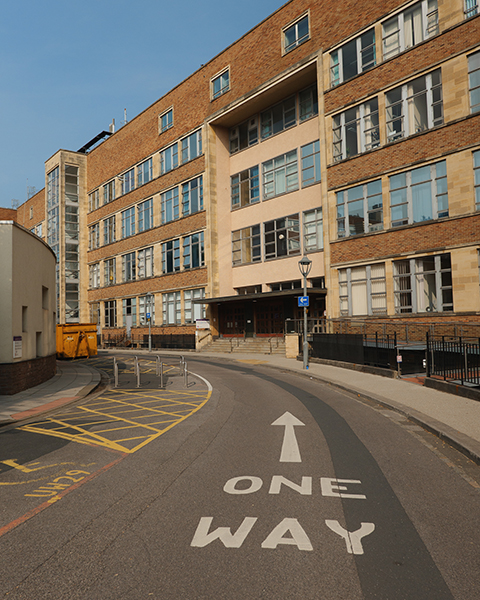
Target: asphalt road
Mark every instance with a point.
(267, 485)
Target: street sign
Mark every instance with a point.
(148, 315)
(303, 301)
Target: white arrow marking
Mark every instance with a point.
(290, 451)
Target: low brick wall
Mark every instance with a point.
(19, 376)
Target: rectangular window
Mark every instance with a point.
(362, 290)
(110, 313)
(220, 84)
(244, 135)
(360, 209)
(128, 267)
(282, 237)
(246, 245)
(145, 263)
(191, 146)
(95, 275)
(356, 130)
(171, 256)
(415, 106)
(353, 58)
(129, 312)
(170, 205)
(278, 118)
(280, 175)
(423, 284)
(193, 251)
(308, 103)
(145, 215)
(110, 272)
(109, 192)
(166, 120)
(471, 8)
(296, 34)
(476, 171)
(310, 155)
(94, 236)
(419, 195)
(169, 159)
(312, 230)
(192, 312)
(128, 181)
(128, 222)
(245, 188)
(410, 27)
(171, 308)
(109, 230)
(474, 81)
(144, 172)
(146, 306)
(94, 200)
(192, 196)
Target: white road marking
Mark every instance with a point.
(332, 488)
(230, 540)
(352, 538)
(290, 451)
(299, 537)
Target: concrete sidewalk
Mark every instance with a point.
(453, 418)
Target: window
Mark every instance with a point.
(171, 308)
(353, 58)
(282, 237)
(39, 230)
(109, 192)
(110, 313)
(128, 222)
(410, 27)
(360, 209)
(278, 118)
(193, 251)
(129, 312)
(145, 263)
(296, 34)
(146, 306)
(312, 230)
(356, 130)
(109, 230)
(110, 272)
(128, 181)
(145, 215)
(310, 155)
(170, 205)
(419, 195)
(128, 267)
(93, 200)
(193, 312)
(95, 275)
(423, 284)
(171, 256)
(71, 222)
(192, 196)
(476, 171)
(94, 236)
(471, 8)
(245, 188)
(169, 159)
(144, 172)
(362, 290)
(220, 84)
(474, 81)
(191, 146)
(246, 245)
(244, 135)
(415, 106)
(280, 175)
(166, 120)
(308, 103)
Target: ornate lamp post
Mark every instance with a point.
(305, 266)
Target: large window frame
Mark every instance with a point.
(109, 192)
(193, 251)
(94, 236)
(110, 272)
(313, 230)
(360, 209)
(129, 272)
(279, 117)
(172, 308)
(128, 222)
(474, 81)
(170, 204)
(165, 120)
(145, 263)
(245, 188)
(128, 181)
(280, 175)
(246, 245)
(471, 8)
(109, 230)
(145, 215)
(354, 57)
(220, 84)
(282, 237)
(94, 276)
(171, 256)
(192, 196)
(169, 159)
(476, 175)
(144, 172)
(191, 311)
(362, 290)
(110, 308)
(310, 159)
(295, 34)
(191, 146)
(356, 130)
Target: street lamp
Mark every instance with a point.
(305, 266)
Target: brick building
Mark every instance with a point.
(352, 136)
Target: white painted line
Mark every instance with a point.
(290, 451)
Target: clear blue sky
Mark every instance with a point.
(68, 68)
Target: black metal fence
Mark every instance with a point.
(360, 349)
(454, 359)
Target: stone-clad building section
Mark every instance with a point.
(347, 132)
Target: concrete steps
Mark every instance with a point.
(274, 345)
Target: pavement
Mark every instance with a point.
(452, 418)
